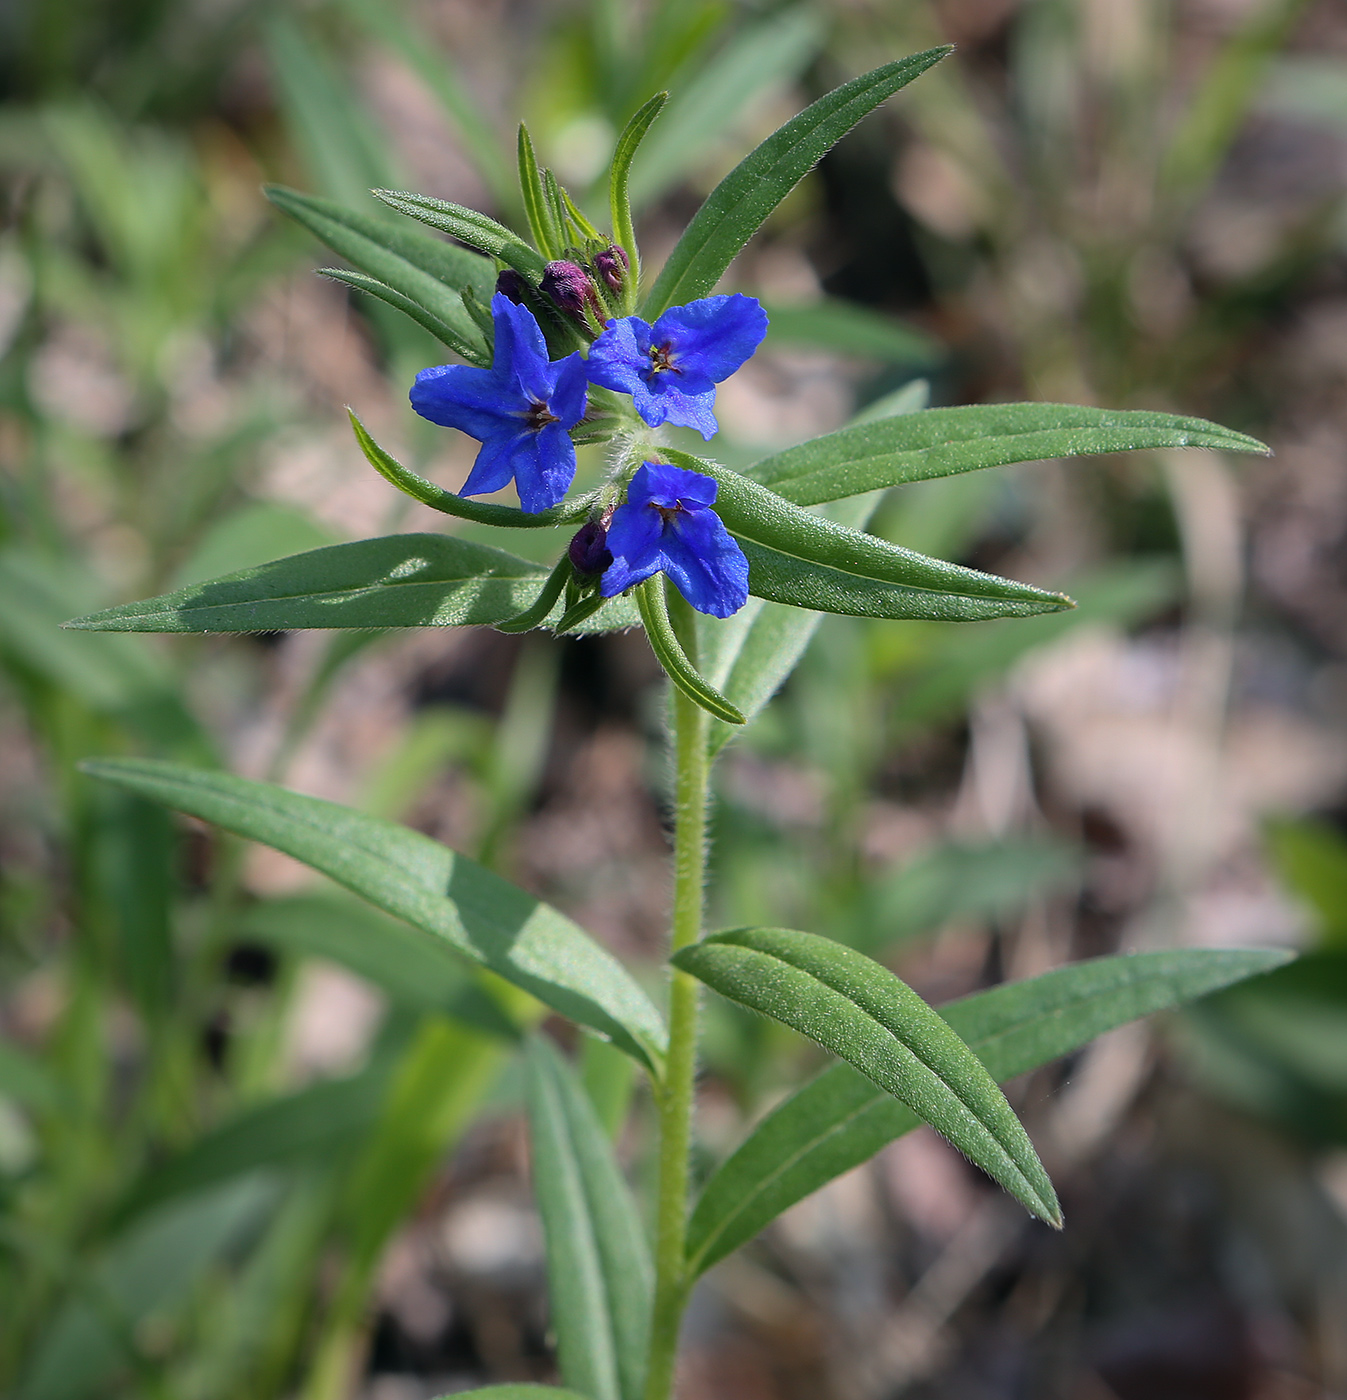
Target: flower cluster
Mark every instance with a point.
(522, 410)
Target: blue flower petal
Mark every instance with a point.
(620, 358)
(691, 410)
(634, 535)
(544, 473)
(567, 400)
(462, 397)
(712, 336)
(520, 357)
(705, 562)
(667, 525)
(495, 462)
(666, 485)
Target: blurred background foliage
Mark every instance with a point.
(238, 1154)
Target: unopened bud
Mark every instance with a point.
(588, 549)
(612, 265)
(512, 285)
(571, 288)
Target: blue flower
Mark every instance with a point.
(671, 369)
(667, 525)
(519, 410)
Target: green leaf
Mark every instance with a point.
(342, 148)
(599, 1271)
(737, 206)
(413, 970)
(431, 1097)
(314, 1124)
(480, 512)
(433, 888)
(28, 1081)
(946, 441)
(860, 1011)
(468, 226)
(550, 238)
(758, 57)
(840, 1120)
(396, 581)
(960, 881)
(664, 643)
(748, 656)
(807, 561)
(151, 1269)
(424, 270)
(1311, 859)
(619, 197)
(851, 329)
(475, 353)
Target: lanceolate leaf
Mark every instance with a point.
(396, 581)
(599, 1271)
(946, 441)
(426, 270)
(748, 656)
(664, 643)
(468, 226)
(807, 561)
(433, 888)
(840, 1119)
(860, 1011)
(737, 206)
(619, 196)
(441, 330)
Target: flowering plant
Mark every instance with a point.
(564, 343)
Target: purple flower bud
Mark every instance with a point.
(588, 549)
(612, 265)
(512, 285)
(570, 287)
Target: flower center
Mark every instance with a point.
(661, 359)
(538, 416)
(668, 513)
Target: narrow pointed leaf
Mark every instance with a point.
(428, 271)
(759, 57)
(739, 204)
(840, 1119)
(413, 970)
(549, 238)
(664, 643)
(749, 656)
(468, 226)
(947, 441)
(860, 1011)
(619, 196)
(808, 561)
(433, 888)
(851, 329)
(441, 330)
(396, 581)
(464, 508)
(599, 1271)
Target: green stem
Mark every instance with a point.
(690, 724)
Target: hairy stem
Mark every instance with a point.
(671, 1283)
